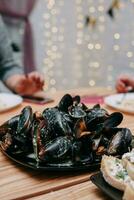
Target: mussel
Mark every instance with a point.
(68, 133)
(58, 122)
(17, 132)
(120, 143)
(56, 150)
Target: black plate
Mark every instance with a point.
(26, 161)
(99, 181)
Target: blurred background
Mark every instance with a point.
(75, 43)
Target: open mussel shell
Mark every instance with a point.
(7, 133)
(113, 120)
(6, 141)
(120, 142)
(97, 112)
(94, 125)
(80, 128)
(77, 111)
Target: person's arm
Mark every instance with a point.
(12, 74)
(8, 67)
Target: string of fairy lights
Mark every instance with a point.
(53, 34)
(76, 50)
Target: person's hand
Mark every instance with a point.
(124, 83)
(26, 84)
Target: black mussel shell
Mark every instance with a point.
(94, 124)
(11, 124)
(97, 112)
(56, 149)
(65, 102)
(83, 154)
(113, 120)
(25, 120)
(77, 111)
(22, 136)
(120, 143)
(58, 123)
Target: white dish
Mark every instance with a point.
(122, 102)
(8, 101)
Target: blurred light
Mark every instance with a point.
(54, 48)
(116, 36)
(46, 16)
(131, 65)
(79, 41)
(90, 46)
(94, 64)
(91, 82)
(79, 25)
(78, 1)
(54, 11)
(80, 17)
(116, 47)
(129, 54)
(52, 82)
(97, 46)
(54, 29)
(92, 9)
(101, 8)
(50, 4)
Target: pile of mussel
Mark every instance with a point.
(69, 132)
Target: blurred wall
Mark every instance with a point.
(79, 44)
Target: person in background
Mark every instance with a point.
(125, 83)
(11, 74)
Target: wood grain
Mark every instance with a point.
(83, 191)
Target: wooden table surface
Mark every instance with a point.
(19, 182)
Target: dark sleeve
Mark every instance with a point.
(8, 67)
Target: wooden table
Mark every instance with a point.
(18, 182)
